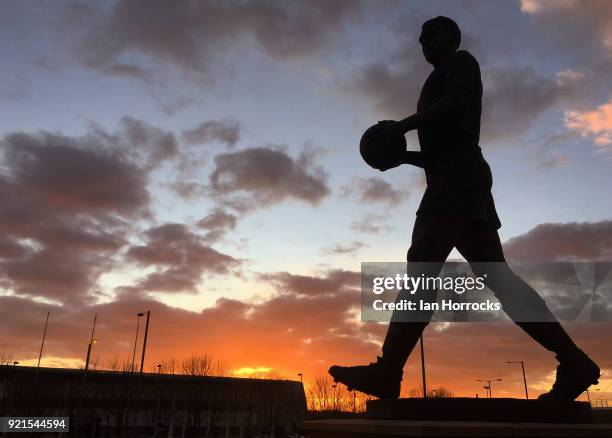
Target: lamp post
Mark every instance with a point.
(354, 402)
(158, 368)
(524, 377)
(136, 339)
(144, 342)
(300, 376)
(488, 387)
(91, 342)
(15, 363)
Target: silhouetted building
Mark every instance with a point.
(123, 404)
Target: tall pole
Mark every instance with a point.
(144, 343)
(43, 340)
(524, 376)
(90, 342)
(423, 367)
(525, 381)
(136, 339)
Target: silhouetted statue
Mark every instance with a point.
(457, 211)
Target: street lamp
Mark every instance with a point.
(158, 368)
(524, 377)
(300, 376)
(15, 363)
(488, 387)
(140, 314)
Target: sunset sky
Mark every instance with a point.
(199, 160)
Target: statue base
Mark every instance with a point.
(464, 417)
(480, 409)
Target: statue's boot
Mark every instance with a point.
(574, 376)
(378, 379)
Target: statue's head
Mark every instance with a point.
(440, 37)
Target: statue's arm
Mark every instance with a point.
(415, 158)
(458, 84)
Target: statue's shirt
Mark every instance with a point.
(458, 177)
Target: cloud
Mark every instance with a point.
(339, 248)
(514, 98)
(269, 176)
(148, 141)
(290, 333)
(180, 258)
(67, 203)
(223, 131)
(217, 223)
(584, 23)
(543, 158)
(231, 330)
(516, 93)
(563, 241)
(595, 123)
(375, 189)
(191, 34)
(335, 281)
(371, 223)
(69, 173)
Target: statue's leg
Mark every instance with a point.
(576, 371)
(433, 239)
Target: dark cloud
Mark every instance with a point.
(217, 223)
(349, 248)
(269, 176)
(189, 34)
(514, 98)
(586, 26)
(66, 205)
(60, 172)
(335, 281)
(180, 258)
(223, 131)
(151, 143)
(375, 190)
(563, 241)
